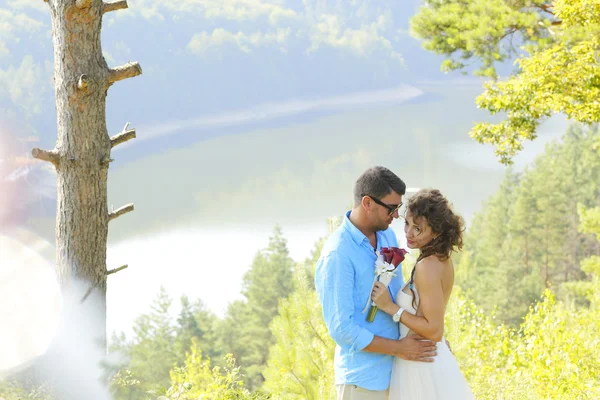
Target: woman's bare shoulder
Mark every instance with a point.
(430, 267)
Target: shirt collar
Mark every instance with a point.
(357, 236)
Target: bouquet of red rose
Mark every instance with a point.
(386, 264)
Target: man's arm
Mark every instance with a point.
(335, 284)
(413, 347)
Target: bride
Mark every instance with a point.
(432, 227)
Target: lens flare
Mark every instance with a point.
(30, 300)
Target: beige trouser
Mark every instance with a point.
(353, 392)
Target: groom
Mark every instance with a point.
(365, 351)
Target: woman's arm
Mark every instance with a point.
(431, 297)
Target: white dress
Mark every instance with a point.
(437, 380)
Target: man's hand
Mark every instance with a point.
(415, 348)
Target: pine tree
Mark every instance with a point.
(300, 363)
(526, 237)
(151, 353)
(486, 249)
(196, 322)
(81, 158)
(246, 327)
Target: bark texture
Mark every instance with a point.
(81, 158)
(83, 146)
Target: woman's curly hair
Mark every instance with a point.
(435, 208)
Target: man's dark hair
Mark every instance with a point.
(377, 182)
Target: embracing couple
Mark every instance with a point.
(402, 354)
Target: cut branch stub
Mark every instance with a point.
(115, 5)
(89, 291)
(45, 155)
(105, 162)
(113, 271)
(117, 213)
(82, 83)
(122, 137)
(128, 70)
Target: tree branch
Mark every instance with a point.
(85, 296)
(122, 137)
(114, 271)
(117, 213)
(45, 155)
(509, 31)
(315, 332)
(114, 5)
(545, 8)
(128, 70)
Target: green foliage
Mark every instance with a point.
(562, 79)
(245, 331)
(300, 363)
(478, 267)
(559, 350)
(196, 379)
(526, 237)
(158, 344)
(590, 223)
(483, 30)
(482, 347)
(14, 391)
(123, 381)
(553, 355)
(195, 321)
(558, 69)
(150, 355)
(590, 220)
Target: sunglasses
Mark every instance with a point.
(392, 208)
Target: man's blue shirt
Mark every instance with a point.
(344, 276)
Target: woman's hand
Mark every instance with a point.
(383, 300)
